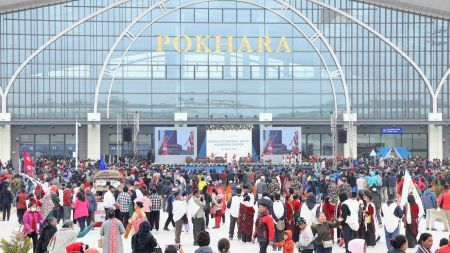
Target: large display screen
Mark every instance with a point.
(230, 142)
(179, 141)
(281, 140)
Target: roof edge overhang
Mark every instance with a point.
(434, 8)
(19, 5)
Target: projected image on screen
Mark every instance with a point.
(280, 141)
(176, 142)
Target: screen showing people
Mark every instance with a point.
(176, 142)
(280, 141)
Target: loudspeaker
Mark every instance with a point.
(342, 136)
(127, 134)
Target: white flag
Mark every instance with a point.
(410, 188)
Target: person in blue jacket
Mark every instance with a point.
(429, 201)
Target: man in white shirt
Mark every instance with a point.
(234, 205)
(108, 200)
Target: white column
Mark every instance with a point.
(435, 144)
(5, 137)
(93, 136)
(350, 148)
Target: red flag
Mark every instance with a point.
(28, 163)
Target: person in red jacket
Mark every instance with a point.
(21, 205)
(264, 227)
(444, 203)
(67, 202)
(287, 243)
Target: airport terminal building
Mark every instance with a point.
(379, 67)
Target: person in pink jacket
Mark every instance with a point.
(32, 222)
(81, 210)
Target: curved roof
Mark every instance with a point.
(18, 5)
(438, 8)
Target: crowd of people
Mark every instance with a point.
(308, 209)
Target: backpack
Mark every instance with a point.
(263, 231)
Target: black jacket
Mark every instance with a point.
(44, 238)
(147, 246)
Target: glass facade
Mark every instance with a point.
(48, 145)
(416, 143)
(60, 82)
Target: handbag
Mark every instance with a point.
(327, 244)
(136, 223)
(280, 225)
(100, 243)
(157, 249)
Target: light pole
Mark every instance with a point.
(18, 153)
(77, 125)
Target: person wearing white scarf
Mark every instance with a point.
(180, 209)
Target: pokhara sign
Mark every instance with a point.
(222, 44)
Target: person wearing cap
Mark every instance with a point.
(392, 215)
(169, 209)
(264, 227)
(306, 236)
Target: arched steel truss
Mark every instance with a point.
(387, 41)
(434, 95)
(4, 95)
(133, 37)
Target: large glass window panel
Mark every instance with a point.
(57, 144)
(165, 86)
(165, 100)
(274, 86)
(194, 86)
(274, 101)
(191, 100)
(218, 101)
(407, 141)
(229, 16)
(42, 145)
(250, 101)
(251, 86)
(327, 145)
(313, 144)
(222, 86)
(392, 140)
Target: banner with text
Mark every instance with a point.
(230, 142)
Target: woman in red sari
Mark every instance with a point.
(245, 221)
(330, 211)
(411, 220)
